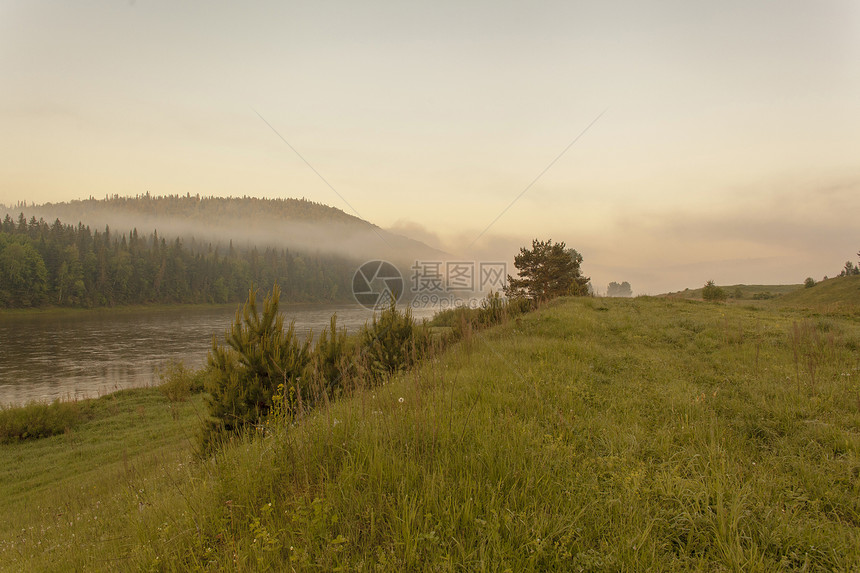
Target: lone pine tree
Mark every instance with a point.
(546, 271)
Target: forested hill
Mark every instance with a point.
(211, 210)
(72, 265)
(296, 224)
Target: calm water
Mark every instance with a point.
(86, 354)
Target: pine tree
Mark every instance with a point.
(546, 271)
(331, 365)
(259, 356)
(392, 342)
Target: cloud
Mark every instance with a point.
(776, 236)
(779, 234)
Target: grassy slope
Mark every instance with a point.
(65, 498)
(747, 291)
(840, 294)
(595, 434)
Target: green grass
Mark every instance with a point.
(593, 435)
(741, 292)
(65, 498)
(39, 420)
(840, 294)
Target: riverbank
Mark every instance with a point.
(593, 434)
(63, 355)
(138, 308)
(64, 496)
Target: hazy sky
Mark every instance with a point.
(729, 148)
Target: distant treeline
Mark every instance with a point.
(72, 266)
(194, 207)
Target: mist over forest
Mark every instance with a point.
(187, 249)
(297, 224)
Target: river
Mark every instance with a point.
(83, 354)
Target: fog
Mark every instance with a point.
(354, 240)
(747, 236)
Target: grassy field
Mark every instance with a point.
(741, 292)
(592, 435)
(66, 499)
(833, 296)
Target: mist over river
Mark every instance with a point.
(84, 354)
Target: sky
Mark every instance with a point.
(669, 142)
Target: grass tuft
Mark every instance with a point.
(40, 420)
(178, 383)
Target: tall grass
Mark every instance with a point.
(591, 435)
(179, 383)
(39, 420)
(67, 500)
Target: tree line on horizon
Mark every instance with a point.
(190, 207)
(74, 266)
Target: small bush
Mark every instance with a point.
(178, 383)
(713, 292)
(332, 364)
(809, 282)
(763, 296)
(392, 342)
(451, 316)
(492, 310)
(518, 306)
(39, 420)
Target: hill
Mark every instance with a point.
(739, 292)
(836, 294)
(643, 434)
(187, 249)
(280, 223)
(212, 210)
